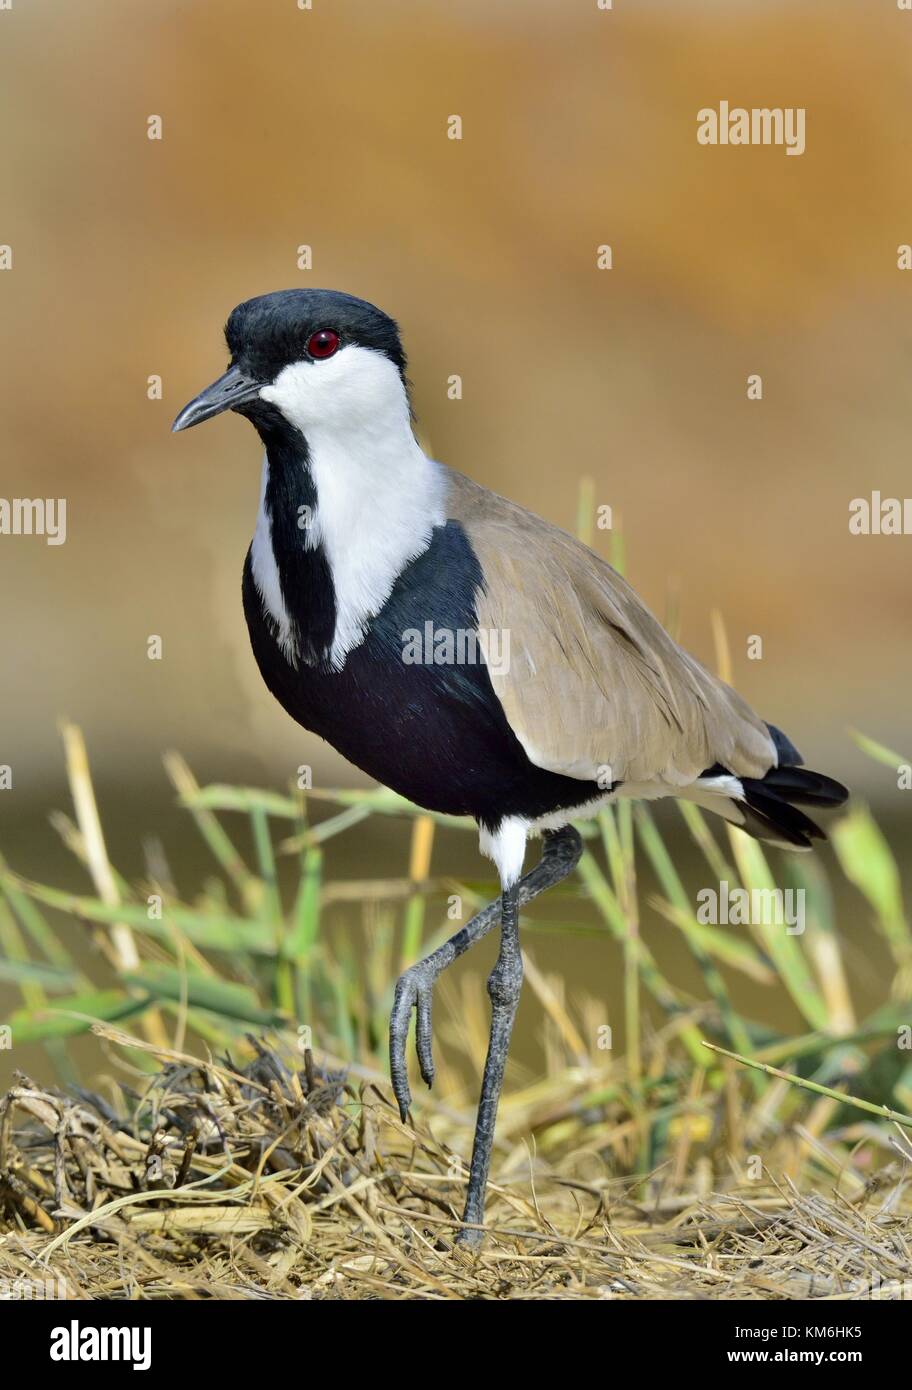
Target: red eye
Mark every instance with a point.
(323, 343)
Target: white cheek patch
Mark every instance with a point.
(352, 389)
(379, 496)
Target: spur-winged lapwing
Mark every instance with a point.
(378, 585)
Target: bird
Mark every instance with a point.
(463, 651)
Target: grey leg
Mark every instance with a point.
(504, 987)
(562, 849)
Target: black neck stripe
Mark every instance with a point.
(304, 573)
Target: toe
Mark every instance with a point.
(398, 1039)
(424, 1037)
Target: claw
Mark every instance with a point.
(411, 993)
(424, 1044)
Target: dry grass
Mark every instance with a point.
(272, 1179)
(233, 1168)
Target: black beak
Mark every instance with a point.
(230, 391)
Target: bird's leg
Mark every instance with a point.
(504, 986)
(562, 852)
(414, 988)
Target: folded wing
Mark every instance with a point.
(593, 681)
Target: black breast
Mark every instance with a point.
(435, 732)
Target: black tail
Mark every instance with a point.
(770, 805)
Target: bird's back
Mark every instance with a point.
(593, 679)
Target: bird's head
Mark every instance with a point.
(311, 359)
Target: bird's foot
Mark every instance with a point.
(414, 990)
(469, 1238)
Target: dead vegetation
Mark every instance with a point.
(272, 1179)
(711, 1156)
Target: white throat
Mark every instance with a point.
(379, 496)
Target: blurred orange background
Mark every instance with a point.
(328, 127)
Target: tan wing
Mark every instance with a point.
(593, 680)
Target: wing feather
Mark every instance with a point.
(593, 680)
